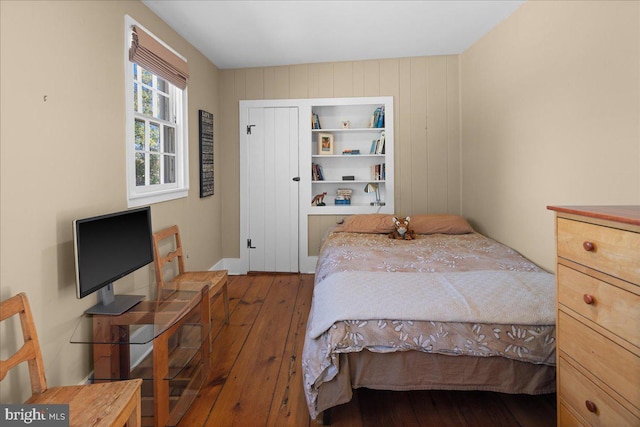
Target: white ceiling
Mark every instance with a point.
(242, 33)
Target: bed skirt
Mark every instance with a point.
(412, 370)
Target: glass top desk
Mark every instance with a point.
(177, 323)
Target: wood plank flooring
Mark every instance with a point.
(255, 377)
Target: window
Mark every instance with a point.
(154, 106)
(157, 158)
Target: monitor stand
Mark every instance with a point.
(113, 305)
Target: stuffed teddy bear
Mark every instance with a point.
(402, 230)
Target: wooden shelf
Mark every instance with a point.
(181, 355)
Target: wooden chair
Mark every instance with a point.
(216, 280)
(87, 403)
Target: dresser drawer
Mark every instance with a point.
(597, 354)
(575, 390)
(609, 250)
(612, 308)
(566, 418)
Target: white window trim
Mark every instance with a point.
(137, 196)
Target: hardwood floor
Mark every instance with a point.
(255, 377)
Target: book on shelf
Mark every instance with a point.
(343, 196)
(377, 120)
(344, 192)
(377, 145)
(315, 121)
(380, 145)
(378, 172)
(351, 152)
(316, 172)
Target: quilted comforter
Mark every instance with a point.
(438, 263)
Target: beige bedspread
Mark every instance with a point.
(533, 342)
(522, 297)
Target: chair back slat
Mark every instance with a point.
(30, 351)
(24, 354)
(172, 233)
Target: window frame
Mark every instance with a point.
(138, 195)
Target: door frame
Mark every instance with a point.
(305, 265)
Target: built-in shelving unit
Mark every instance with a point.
(345, 126)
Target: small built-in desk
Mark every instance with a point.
(177, 323)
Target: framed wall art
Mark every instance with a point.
(205, 121)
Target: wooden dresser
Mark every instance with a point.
(598, 315)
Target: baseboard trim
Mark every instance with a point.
(234, 265)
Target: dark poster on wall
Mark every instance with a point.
(206, 153)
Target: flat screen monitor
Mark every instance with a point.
(107, 248)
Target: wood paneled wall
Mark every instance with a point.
(427, 127)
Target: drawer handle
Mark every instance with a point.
(588, 299)
(588, 246)
(591, 407)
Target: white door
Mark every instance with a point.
(272, 149)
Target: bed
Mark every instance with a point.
(448, 310)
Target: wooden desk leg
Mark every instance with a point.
(161, 358)
(205, 320)
(225, 297)
(160, 384)
(110, 361)
(124, 350)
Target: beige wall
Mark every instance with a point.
(427, 126)
(550, 115)
(65, 158)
